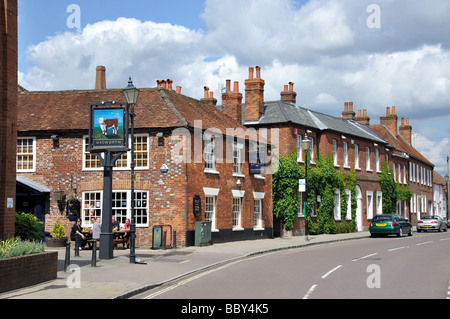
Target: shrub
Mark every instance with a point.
(28, 227)
(58, 231)
(14, 247)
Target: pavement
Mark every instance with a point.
(117, 278)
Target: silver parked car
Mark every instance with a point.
(431, 223)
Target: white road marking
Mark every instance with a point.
(424, 243)
(331, 271)
(310, 291)
(394, 249)
(356, 259)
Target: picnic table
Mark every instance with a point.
(119, 237)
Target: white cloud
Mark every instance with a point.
(323, 46)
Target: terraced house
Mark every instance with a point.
(185, 150)
(352, 142)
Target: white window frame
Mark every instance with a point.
(140, 197)
(299, 149)
(377, 160)
(209, 153)
(237, 159)
(257, 220)
(210, 211)
(368, 169)
(311, 151)
(237, 213)
(379, 203)
(348, 194)
(357, 157)
(335, 149)
(345, 148)
(257, 214)
(26, 154)
(337, 205)
(125, 158)
(369, 204)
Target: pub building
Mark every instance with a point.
(191, 165)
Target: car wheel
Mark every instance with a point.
(440, 229)
(400, 232)
(410, 231)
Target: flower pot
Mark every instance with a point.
(56, 242)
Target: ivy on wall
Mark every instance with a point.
(392, 191)
(323, 180)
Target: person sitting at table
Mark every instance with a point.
(127, 227)
(77, 235)
(115, 224)
(96, 229)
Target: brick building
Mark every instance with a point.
(350, 139)
(8, 115)
(204, 151)
(410, 166)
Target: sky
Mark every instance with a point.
(374, 53)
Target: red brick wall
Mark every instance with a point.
(28, 270)
(8, 113)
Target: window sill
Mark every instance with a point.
(211, 172)
(238, 175)
(238, 229)
(258, 228)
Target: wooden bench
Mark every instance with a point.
(90, 243)
(118, 241)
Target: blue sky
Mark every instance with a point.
(334, 52)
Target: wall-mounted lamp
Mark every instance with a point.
(239, 183)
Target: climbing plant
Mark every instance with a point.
(392, 191)
(323, 180)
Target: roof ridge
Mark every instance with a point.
(173, 108)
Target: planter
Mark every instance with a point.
(24, 271)
(56, 242)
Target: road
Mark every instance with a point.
(416, 267)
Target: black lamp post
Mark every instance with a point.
(306, 146)
(131, 94)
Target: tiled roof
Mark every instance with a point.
(156, 108)
(277, 112)
(399, 143)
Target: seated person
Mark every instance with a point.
(77, 235)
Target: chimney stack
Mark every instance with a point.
(390, 120)
(364, 119)
(406, 130)
(100, 78)
(209, 97)
(288, 95)
(348, 113)
(254, 95)
(232, 102)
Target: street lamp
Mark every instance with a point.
(306, 146)
(131, 94)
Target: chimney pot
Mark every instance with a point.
(100, 78)
(285, 88)
(291, 87)
(365, 113)
(236, 86)
(346, 106)
(228, 89)
(407, 121)
(178, 89)
(393, 110)
(403, 121)
(359, 113)
(350, 106)
(206, 91)
(388, 110)
(169, 82)
(258, 72)
(250, 73)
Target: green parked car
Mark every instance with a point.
(390, 224)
